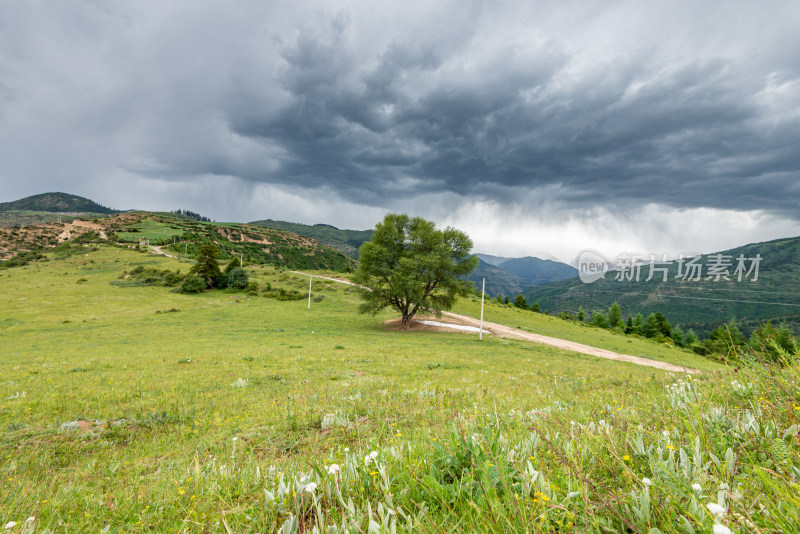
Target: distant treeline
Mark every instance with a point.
(192, 215)
(726, 340)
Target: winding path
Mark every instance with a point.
(158, 250)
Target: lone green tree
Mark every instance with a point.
(615, 316)
(411, 266)
(207, 268)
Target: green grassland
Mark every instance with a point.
(138, 409)
(587, 334)
(150, 229)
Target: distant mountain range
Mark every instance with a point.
(698, 304)
(536, 271)
(56, 203)
(498, 281)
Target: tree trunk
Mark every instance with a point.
(406, 321)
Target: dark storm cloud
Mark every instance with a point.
(696, 133)
(679, 104)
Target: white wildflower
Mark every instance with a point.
(647, 482)
(721, 529)
(370, 457)
(697, 487)
(240, 383)
(310, 487)
(715, 509)
(10, 525)
(333, 469)
(347, 449)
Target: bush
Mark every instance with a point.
(252, 288)
(237, 278)
(193, 284)
(599, 319)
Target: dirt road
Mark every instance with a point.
(500, 330)
(158, 250)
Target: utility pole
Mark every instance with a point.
(185, 248)
(483, 291)
(241, 260)
(309, 291)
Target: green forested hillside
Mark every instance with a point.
(699, 304)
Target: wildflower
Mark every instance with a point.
(310, 487)
(626, 458)
(647, 482)
(333, 469)
(10, 525)
(697, 487)
(370, 457)
(715, 509)
(721, 529)
(347, 449)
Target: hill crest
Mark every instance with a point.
(56, 202)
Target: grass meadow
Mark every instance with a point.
(131, 408)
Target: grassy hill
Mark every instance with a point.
(182, 236)
(702, 304)
(137, 408)
(56, 202)
(345, 241)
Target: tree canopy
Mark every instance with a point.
(207, 268)
(411, 266)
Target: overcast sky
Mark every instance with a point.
(537, 127)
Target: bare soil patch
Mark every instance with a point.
(417, 325)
